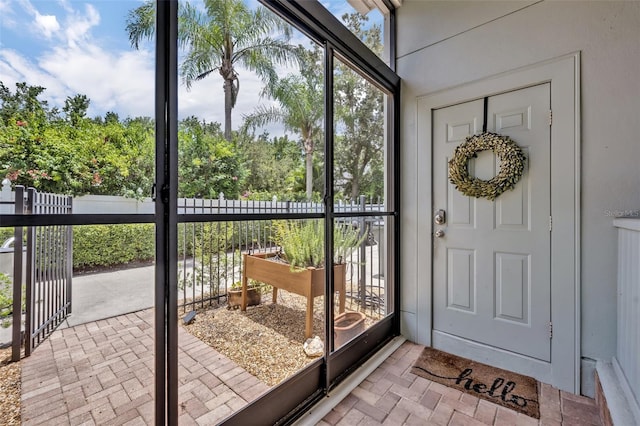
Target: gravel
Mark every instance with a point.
(10, 385)
(266, 340)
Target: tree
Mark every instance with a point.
(111, 117)
(24, 102)
(272, 165)
(301, 98)
(23, 119)
(360, 119)
(75, 107)
(75, 156)
(227, 34)
(208, 163)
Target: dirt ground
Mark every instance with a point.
(9, 389)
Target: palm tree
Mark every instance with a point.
(227, 33)
(301, 99)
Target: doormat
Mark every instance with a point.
(511, 390)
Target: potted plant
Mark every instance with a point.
(254, 294)
(299, 265)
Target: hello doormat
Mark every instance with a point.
(511, 390)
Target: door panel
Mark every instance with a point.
(492, 263)
(512, 287)
(512, 207)
(461, 283)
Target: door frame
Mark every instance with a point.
(563, 73)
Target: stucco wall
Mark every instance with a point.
(444, 44)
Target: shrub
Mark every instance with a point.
(106, 245)
(212, 238)
(6, 290)
(5, 233)
(6, 300)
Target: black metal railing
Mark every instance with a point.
(210, 260)
(49, 262)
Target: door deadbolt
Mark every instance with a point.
(439, 233)
(440, 218)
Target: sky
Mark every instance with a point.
(81, 47)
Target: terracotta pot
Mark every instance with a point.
(346, 326)
(234, 297)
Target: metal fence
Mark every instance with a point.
(210, 260)
(49, 258)
(223, 206)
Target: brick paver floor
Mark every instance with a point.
(394, 396)
(102, 373)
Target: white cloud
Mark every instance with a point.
(78, 25)
(44, 25)
(47, 24)
(117, 80)
(114, 81)
(7, 14)
(121, 81)
(66, 6)
(15, 67)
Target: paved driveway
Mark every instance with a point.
(108, 294)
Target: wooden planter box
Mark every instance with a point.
(308, 282)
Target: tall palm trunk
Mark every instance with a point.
(309, 166)
(308, 151)
(228, 101)
(229, 75)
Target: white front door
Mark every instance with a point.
(492, 263)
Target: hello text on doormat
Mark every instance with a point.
(511, 390)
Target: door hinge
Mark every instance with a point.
(550, 117)
(550, 330)
(550, 223)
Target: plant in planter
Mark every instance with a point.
(299, 266)
(302, 243)
(255, 290)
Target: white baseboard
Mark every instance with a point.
(621, 403)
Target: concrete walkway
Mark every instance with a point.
(104, 295)
(109, 294)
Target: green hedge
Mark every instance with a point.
(6, 299)
(212, 238)
(5, 233)
(106, 245)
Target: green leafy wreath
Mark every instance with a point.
(511, 165)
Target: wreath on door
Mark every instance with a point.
(511, 165)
